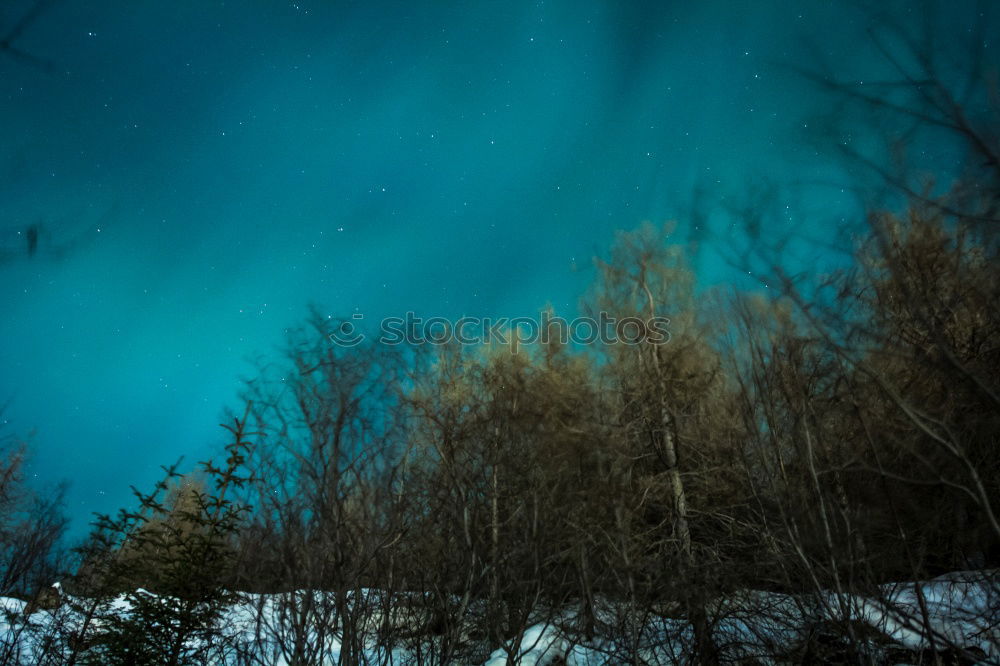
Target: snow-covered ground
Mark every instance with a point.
(958, 611)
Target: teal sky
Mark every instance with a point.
(199, 172)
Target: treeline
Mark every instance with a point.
(444, 499)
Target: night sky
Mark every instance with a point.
(200, 172)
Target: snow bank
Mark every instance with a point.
(962, 610)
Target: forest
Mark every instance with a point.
(806, 473)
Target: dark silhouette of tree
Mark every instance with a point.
(8, 42)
